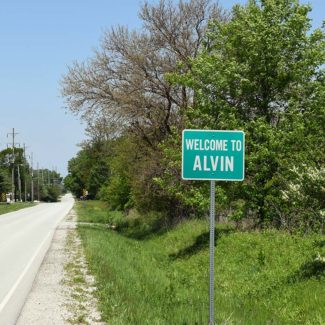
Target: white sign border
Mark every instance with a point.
(213, 179)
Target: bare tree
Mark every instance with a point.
(124, 87)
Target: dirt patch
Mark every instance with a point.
(63, 291)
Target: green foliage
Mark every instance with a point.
(261, 277)
(6, 165)
(257, 62)
(88, 170)
(78, 169)
(139, 226)
(133, 166)
(116, 192)
(262, 72)
(92, 211)
(51, 193)
(133, 224)
(5, 181)
(6, 208)
(116, 219)
(238, 210)
(47, 185)
(190, 199)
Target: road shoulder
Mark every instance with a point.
(63, 291)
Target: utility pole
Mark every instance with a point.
(42, 173)
(13, 164)
(19, 178)
(38, 196)
(32, 180)
(25, 173)
(19, 182)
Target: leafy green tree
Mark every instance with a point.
(117, 189)
(50, 193)
(88, 170)
(5, 181)
(262, 72)
(78, 173)
(8, 161)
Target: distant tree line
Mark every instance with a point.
(259, 68)
(28, 184)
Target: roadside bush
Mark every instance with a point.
(116, 193)
(51, 193)
(138, 225)
(116, 219)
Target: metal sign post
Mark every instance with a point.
(212, 230)
(213, 155)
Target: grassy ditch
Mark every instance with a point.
(260, 278)
(5, 208)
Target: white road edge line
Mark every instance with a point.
(11, 292)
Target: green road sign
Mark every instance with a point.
(213, 155)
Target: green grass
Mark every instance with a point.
(260, 278)
(5, 208)
(92, 211)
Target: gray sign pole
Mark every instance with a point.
(212, 229)
(215, 155)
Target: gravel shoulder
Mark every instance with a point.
(63, 291)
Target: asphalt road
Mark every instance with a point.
(25, 237)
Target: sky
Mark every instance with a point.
(39, 39)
